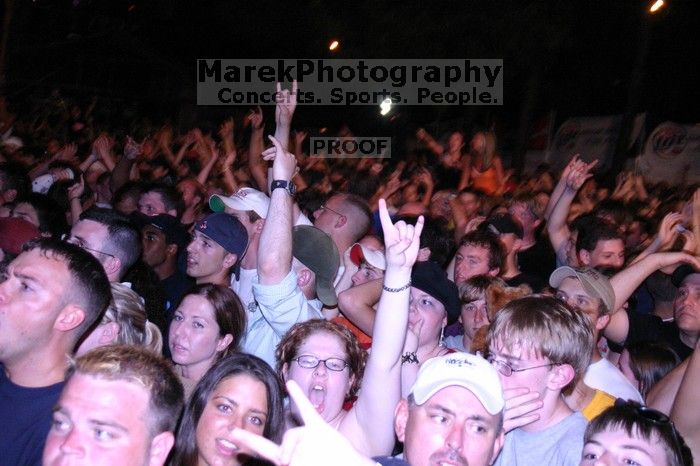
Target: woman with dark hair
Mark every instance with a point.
(645, 363)
(239, 391)
(207, 325)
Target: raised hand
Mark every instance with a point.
(256, 118)
(579, 174)
(299, 137)
(286, 103)
(520, 408)
(668, 229)
(313, 444)
(226, 129)
(284, 163)
(401, 240)
(67, 152)
(76, 190)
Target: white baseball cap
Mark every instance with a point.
(244, 199)
(375, 258)
(462, 369)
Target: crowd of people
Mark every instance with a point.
(222, 297)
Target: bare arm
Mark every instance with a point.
(257, 166)
(121, 173)
(284, 111)
(275, 249)
(357, 304)
(626, 281)
(684, 410)
(427, 139)
(557, 228)
(662, 395)
(370, 423)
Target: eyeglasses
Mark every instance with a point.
(311, 362)
(506, 370)
(325, 207)
(655, 417)
(81, 244)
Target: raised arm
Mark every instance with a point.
(275, 249)
(627, 280)
(257, 166)
(425, 137)
(370, 423)
(122, 170)
(556, 226)
(284, 111)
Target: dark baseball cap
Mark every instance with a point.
(226, 230)
(430, 278)
(501, 224)
(317, 251)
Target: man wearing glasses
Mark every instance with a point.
(110, 238)
(345, 218)
(540, 347)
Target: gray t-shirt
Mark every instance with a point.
(559, 445)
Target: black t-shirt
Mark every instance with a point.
(646, 327)
(539, 259)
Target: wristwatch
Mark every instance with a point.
(288, 186)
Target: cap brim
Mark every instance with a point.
(326, 293)
(491, 403)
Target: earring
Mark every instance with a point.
(442, 336)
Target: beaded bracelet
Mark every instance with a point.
(396, 290)
(409, 358)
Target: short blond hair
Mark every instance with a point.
(143, 368)
(549, 328)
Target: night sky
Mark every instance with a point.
(573, 57)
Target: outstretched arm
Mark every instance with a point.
(370, 423)
(626, 281)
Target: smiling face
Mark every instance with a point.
(194, 334)
(91, 427)
(325, 389)
(471, 260)
(607, 253)
(616, 447)
(238, 401)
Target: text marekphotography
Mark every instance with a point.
(351, 82)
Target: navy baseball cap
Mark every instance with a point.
(225, 230)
